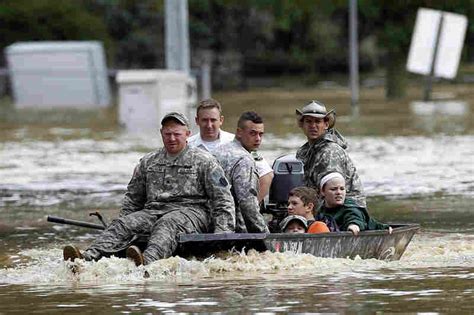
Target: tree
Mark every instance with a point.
(24, 20)
(136, 28)
(393, 23)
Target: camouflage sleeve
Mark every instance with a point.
(135, 197)
(222, 203)
(332, 159)
(335, 159)
(245, 184)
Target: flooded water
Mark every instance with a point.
(415, 161)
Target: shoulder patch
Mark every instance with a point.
(253, 192)
(223, 181)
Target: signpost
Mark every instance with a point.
(177, 35)
(354, 57)
(436, 45)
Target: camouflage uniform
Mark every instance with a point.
(328, 154)
(239, 167)
(166, 196)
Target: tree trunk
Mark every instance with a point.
(395, 86)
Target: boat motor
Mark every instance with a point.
(288, 174)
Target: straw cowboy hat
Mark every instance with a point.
(317, 109)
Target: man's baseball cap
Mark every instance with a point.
(180, 118)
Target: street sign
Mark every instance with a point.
(437, 43)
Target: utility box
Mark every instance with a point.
(58, 74)
(145, 96)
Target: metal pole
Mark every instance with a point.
(206, 80)
(177, 35)
(354, 57)
(430, 77)
(60, 220)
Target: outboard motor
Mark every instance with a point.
(288, 174)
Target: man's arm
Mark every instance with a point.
(265, 174)
(245, 184)
(135, 197)
(221, 200)
(264, 183)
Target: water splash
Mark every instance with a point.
(45, 266)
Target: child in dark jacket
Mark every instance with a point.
(348, 216)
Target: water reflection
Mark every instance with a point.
(448, 117)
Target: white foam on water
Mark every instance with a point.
(387, 165)
(45, 266)
(439, 250)
(403, 166)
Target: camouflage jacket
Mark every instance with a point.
(327, 154)
(239, 167)
(192, 179)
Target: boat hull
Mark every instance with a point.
(368, 244)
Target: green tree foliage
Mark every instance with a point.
(25, 20)
(136, 28)
(273, 36)
(393, 22)
(264, 37)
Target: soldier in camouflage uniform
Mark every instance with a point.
(176, 189)
(210, 137)
(239, 166)
(325, 150)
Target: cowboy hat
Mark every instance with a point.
(317, 109)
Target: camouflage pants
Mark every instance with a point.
(163, 231)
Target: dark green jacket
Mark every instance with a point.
(350, 213)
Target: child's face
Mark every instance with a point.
(297, 207)
(295, 227)
(334, 192)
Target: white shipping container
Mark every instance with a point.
(58, 74)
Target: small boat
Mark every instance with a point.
(288, 171)
(376, 244)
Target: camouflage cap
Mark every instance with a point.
(180, 118)
(284, 223)
(317, 109)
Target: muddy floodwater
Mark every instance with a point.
(415, 160)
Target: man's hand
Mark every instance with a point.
(354, 228)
